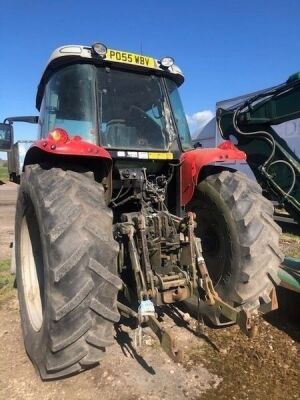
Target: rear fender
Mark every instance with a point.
(74, 152)
(193, 161)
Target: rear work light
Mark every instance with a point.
(58, 135)
(166, 62)
(100, 49)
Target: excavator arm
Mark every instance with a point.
(250, 123)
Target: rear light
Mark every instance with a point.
(58, 135)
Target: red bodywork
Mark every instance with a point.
(193, 161)
(74, 146)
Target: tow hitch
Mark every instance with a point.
(166, 338)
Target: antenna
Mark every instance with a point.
(141, 47)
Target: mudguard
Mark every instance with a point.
(193, 161)
(74, 146)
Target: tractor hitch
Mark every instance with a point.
(167, 340)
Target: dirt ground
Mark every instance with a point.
(218, 363)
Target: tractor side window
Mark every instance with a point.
(180, 118)
(70, 103)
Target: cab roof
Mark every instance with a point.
(70, 54)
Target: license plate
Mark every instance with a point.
(160, 156)
(130, 58)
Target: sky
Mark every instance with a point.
(224, 48)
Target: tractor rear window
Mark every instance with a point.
(134, 112)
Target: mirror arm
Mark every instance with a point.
(29, 119)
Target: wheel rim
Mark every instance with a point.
(31, 284)
(210, 228)
(210, 241)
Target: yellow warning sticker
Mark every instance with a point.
(160, 156)
(130, 58)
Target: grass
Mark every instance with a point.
(291, 236)
(291, 244)
(3, 174)
(6, 279)
(293, 253)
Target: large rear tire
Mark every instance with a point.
(66, 270)
(239, 237)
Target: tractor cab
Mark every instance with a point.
(119, 100)
(125, 103)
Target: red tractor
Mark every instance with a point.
(117, 213)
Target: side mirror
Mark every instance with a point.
(197, 145)
(6, 137)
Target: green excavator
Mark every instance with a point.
(251, 122)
